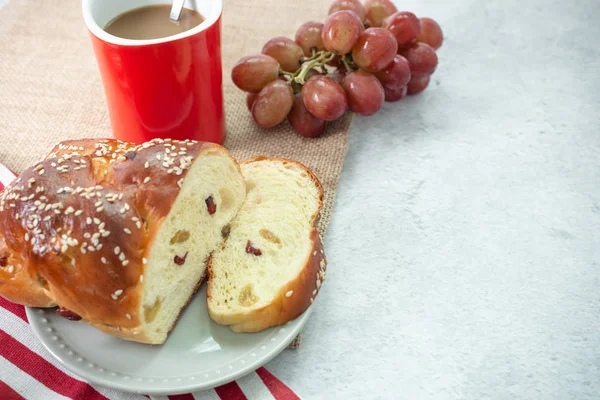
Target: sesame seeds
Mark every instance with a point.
(117, 250)
(314, 253)
(116, 294)
(289, 294)
(142, 278)
(57, 233)
(128, 316)
(10, 269)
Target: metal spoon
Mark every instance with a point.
(176, 10)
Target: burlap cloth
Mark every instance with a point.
(50, 88)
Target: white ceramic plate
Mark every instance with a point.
(198, 354)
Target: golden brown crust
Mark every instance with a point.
(75, 227)
(296, 296)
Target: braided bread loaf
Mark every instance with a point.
(117, 234)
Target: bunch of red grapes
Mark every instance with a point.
(363, 55)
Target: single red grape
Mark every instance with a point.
(431, 33)
(421, 58)
(252, 73)
(285, 51)
(396, 74)
(417, 85)
(352, 5)
(375, 49)
(303, 121)
(392, 95)
(405, 26)
(378, 10)
(324, 98)
(341, 31)
(364, 91)
(250, 99)
(308, 36)
(273, 103)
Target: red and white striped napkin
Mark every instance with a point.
(28, 371)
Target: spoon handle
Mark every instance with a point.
(176, 9)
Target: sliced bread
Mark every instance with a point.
(272, 265)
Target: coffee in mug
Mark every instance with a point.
(152, 22)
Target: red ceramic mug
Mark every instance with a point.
(169, 87)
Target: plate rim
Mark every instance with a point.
(35, 316)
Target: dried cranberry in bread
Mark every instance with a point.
(272, 265)
(117, 234)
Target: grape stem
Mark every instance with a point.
(347, 64)
(286, 74)
(314, 56)
(317, 60)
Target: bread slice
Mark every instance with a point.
(179, 252)
(272, 265)
(117, 235)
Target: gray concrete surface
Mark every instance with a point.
(465, 244)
